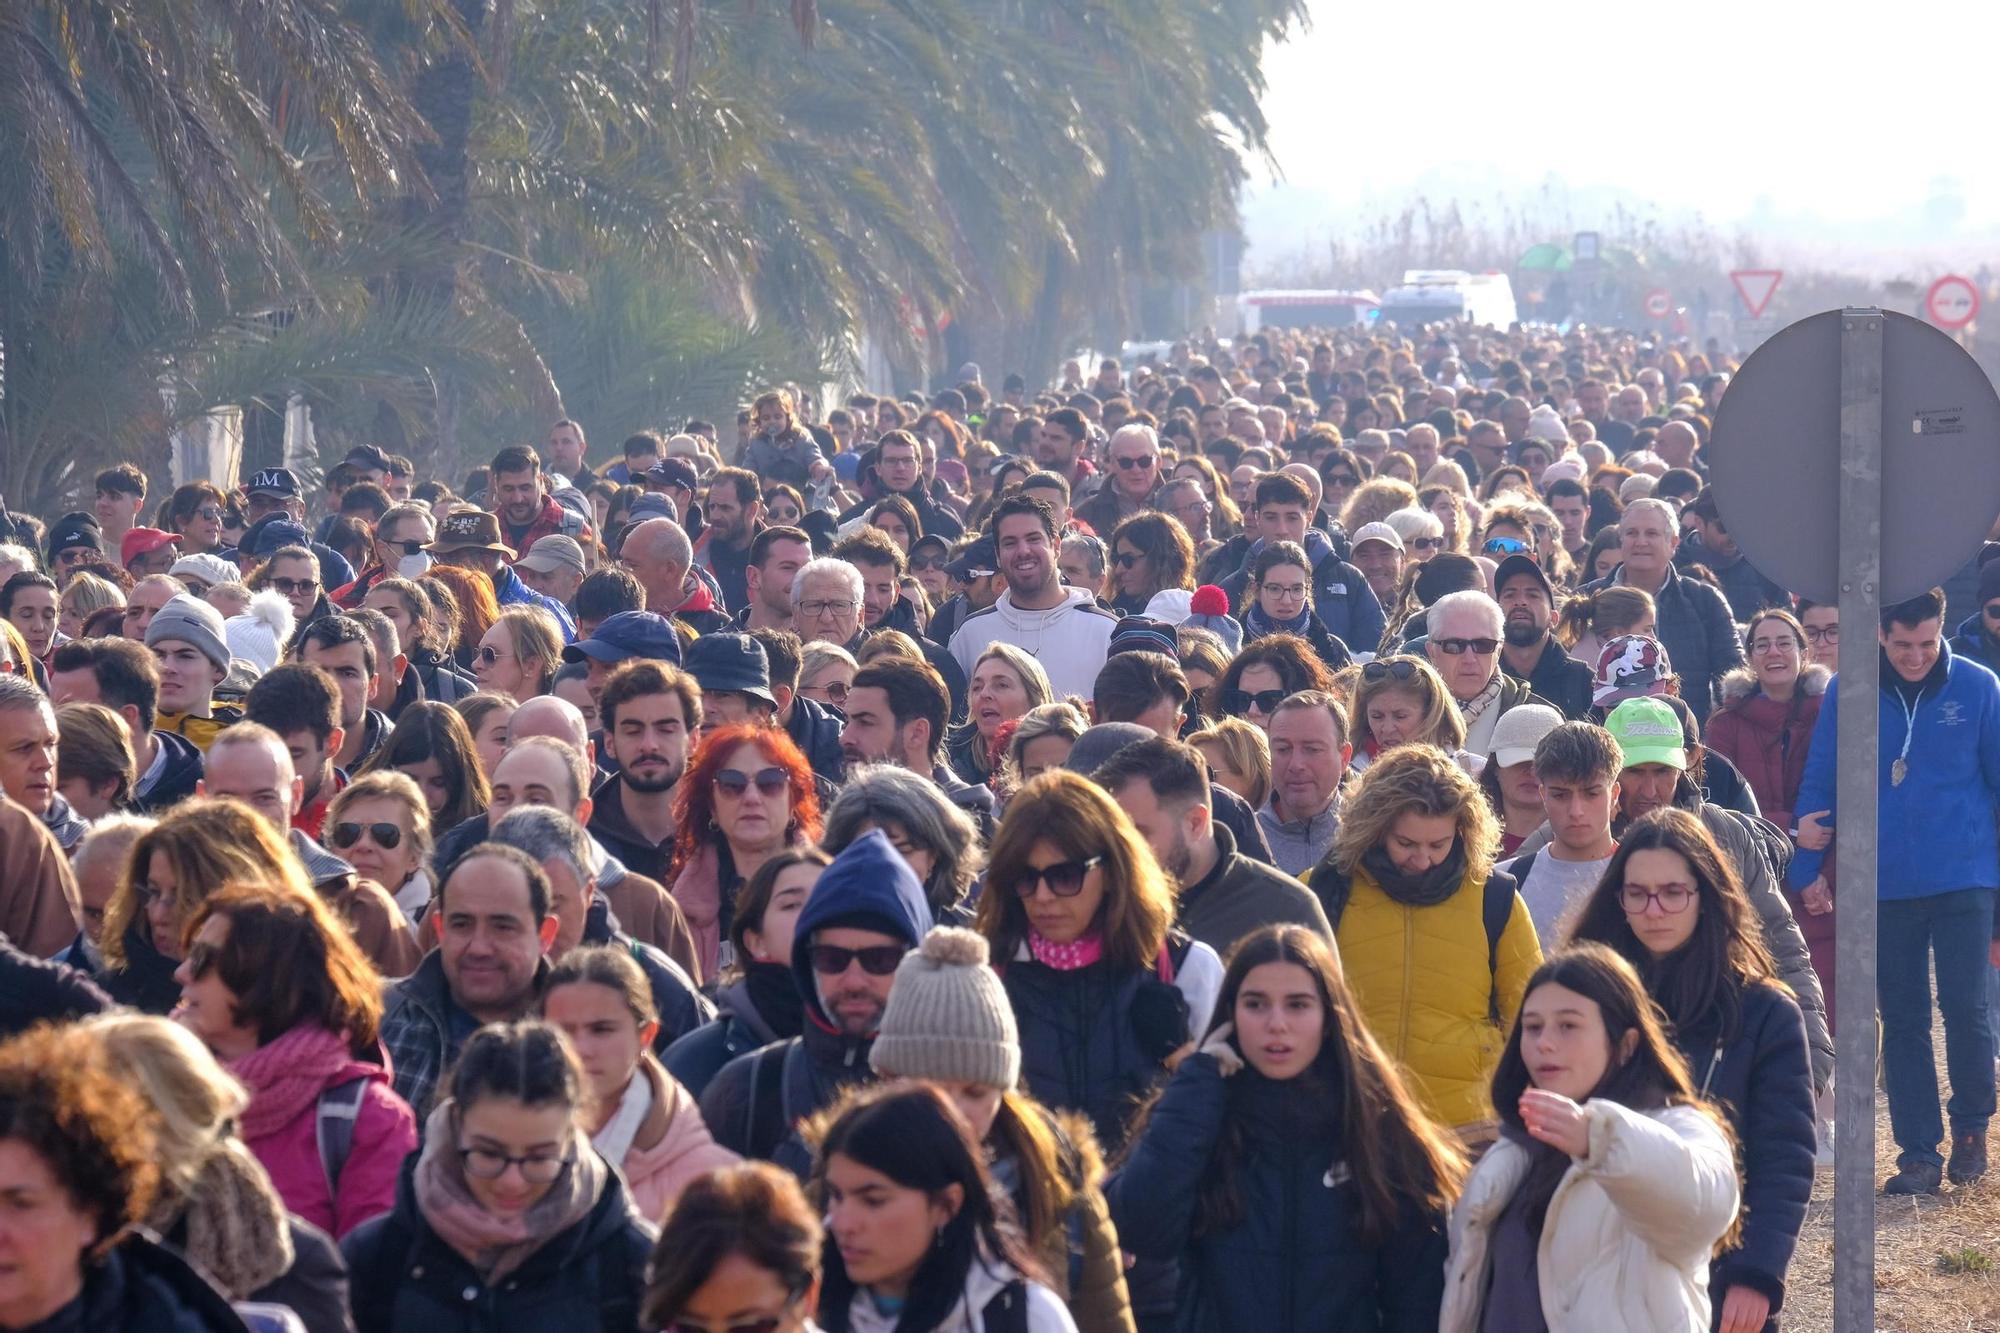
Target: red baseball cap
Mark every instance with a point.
(144, 541)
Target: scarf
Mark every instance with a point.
(496, 1246)
(1080, 952)
(232, 1221)
(1295, 1112)
(774, 993)
(1426, 890)
(286, 1076)
(1475, 707)
(615, 1139)
(1256, 624)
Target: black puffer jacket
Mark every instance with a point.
(591, 1276)
(741, 1026)
(1297, 1260)
(144, 1287)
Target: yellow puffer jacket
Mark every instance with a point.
(202, 731)
(1420, 976)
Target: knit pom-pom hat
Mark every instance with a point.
(948, 1018)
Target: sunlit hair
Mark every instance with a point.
(289, 960)
(96, 747)
(192, 1101)
(208, 842)
(1034, 680)
(1164, 546)
(472, 592)
(881, 794)
(1440, 723)
(1374, 500)
(694, 797)
(1246, 748)
(753, 1211)
(1607, 613)
(1402, 1161)
(1297, 665)
(1421, 779)
(1080, 820)
(389, 785)
(534, 636)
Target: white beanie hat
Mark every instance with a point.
(1545, 425)
(258, 636)
(948, 1016)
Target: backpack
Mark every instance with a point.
(1496, 906)
(779, 1097)
(333, 1127)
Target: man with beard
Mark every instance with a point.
(899, 470)
(883, 606)
(1163, 785)
(649, 711)
(897, 711)
(527, 511)
(1064, 628)
(1529, 651)
(735, 513)
(865, 913)
(1059, 447)
(1464, 645)
(776, 557)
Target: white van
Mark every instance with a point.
(1303, 308)
(1428, 296)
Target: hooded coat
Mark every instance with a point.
(754, 1104)
(1070, 640)
(742, 1025)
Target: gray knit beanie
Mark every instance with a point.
(191, 621)
(948, 1017)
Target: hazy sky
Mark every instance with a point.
(1737, 109)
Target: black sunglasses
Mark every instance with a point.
(1064, 878)
(1453, 647)
(1427, 543)
(386, 836)
(202, 956)
(877, 960)
(295, 587)
(924, 564)
(1239, 701)
(1143, 460)
(408, 547)
(1127, 559)
(770, 781)
(1400, 669)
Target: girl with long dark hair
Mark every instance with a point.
(1612, 1183)
(1670, 904)
(1286, 1166)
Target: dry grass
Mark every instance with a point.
(1935, 1259)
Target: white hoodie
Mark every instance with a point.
(1046, 1313)
(1070, 640)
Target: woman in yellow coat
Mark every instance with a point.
(1436, 944)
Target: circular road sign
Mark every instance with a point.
(1775, 457)
(1952, 302)
(1660, 303)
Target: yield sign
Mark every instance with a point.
(1756, 286)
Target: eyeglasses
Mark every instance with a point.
(147, 893)
(1142, 460)
(1822, 633)
(877, 960)
(1454, 647)
(485, 1164)
(814, 610)
(386, 836)
(1400, 669)
(1127, 559)
(77, 555)
(1287, 591)
(1673, 899)
(1503, 546)
(770, 781)
(1428, 543)
(488, 654)
(296, 587)
(1241, 701)
(1064, 878)
(835, 691)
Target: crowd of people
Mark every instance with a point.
(1326, 832)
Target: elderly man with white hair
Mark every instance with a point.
(1466, 630)
(827, 598)
(1692, 618)
(1132, 473)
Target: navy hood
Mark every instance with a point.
(869, 886)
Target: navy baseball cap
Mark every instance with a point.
(979, 559)
(270, 532)
(674, 472)
(626, 635)
(274, 481)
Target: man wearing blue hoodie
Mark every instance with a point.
(1937, 867)
(865, 913)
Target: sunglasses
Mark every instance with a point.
(386, 836)
(833, 690)
(924, 564)
(408, 548)
(1503, 546)
(1143, 460)
(768, 1323)
(1240, 701)
(877, 960)
(770, 781)
(1126, 559)
(1401, 669)
(209, 512)
(296, 587)
(1343, 479)
(202, 956)
(1428, 543)
(1454, 647)
(488, 654)
(1064, 878)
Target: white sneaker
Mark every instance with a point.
(1823, 1159)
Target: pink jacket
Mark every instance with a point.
(285, 1078)
(672, 1147)
(699, 895)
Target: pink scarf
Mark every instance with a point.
(1080, 952)
(495, 1245)
(287, 1075)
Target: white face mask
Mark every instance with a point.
(414, 566)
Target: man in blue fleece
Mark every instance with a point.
(1937, 867)
(865, 913)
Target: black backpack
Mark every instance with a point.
(1496, 906)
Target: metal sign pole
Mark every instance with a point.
(1861, 335)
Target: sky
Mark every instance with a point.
(1823, 128)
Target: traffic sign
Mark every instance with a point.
(1659, 303)
(1586, 246)
(1952, 302)
(1776, 468)
(1756, 286)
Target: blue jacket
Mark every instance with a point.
(1971, 640)
(1937, 832)
(509, 590)
(1296, 1262)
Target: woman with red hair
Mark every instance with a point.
(748, 794)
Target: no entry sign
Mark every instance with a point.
(1659, 303)
(1952, 302)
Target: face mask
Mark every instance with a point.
(414, 566)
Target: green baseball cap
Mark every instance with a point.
(1648, 732)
